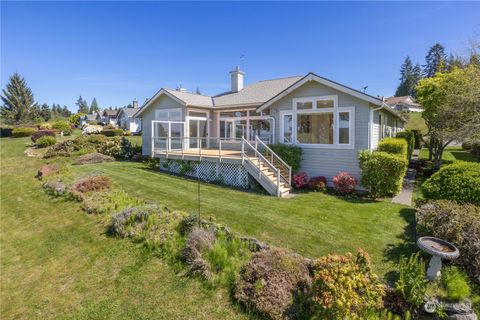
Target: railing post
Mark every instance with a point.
(153, 139)
(220, 148)
(243, 150)
(278, 182)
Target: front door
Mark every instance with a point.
(197, 133)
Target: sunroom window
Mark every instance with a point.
(344, 127)
(316, 128)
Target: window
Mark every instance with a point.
(329, 103)
(233, 114)
(287, 128)
(304, 105)
(344, 127)
(316, 128)
(197, 114)
(168, 114)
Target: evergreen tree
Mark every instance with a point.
(408, 79)
(94, 106)
(435, 61)
(18, 102)
(454, 62)
(198, 91)
(65, 112)
(45, 112)
(82, 105)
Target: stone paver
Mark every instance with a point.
(405, 196)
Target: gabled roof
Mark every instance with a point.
(409, 100)
(192, 99)
(255, 93)
(129, 112)
(110, 113)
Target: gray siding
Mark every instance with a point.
(329, 162)
(163, 102)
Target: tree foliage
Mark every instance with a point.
(19, 105)
(435, 61)
(451, 103)
(409, 77)
(82, 105)
(94, 106)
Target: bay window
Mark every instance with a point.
(318, 122)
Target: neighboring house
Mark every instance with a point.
(227, 133)
(109, 116)
(89, 118)
(405, 103)
(126, 121)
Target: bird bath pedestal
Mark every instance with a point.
(439, 249)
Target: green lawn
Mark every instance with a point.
(450, 154)
(57, 260)
(416, 122)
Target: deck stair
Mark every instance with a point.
(266, 167)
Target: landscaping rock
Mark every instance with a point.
(198, 241)
(255, 245)
(200, 267)
(56, 188)
(47, 170)
(93, 158)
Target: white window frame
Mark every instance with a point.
(157, 111)
(335, 110)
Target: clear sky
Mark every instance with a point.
(118, 51)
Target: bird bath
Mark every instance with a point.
(439, 249)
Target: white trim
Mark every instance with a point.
(157, 95)
(281, 131)
(313, 77)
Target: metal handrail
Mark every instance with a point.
(289, 168)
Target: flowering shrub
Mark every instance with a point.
(299, 180)
(91, 183)
(91, 129)
(117, 147)
(345, 287)
(318, 184)
(62, 149)
(40, 133)
(344, 183)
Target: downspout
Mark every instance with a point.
(370, 122)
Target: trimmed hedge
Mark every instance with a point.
(41, 133)
(382, 172)
(409, 136)
(292, 155)
(6, 131)
(459, 181)
(23, 132)
(395, 146)
(112, 132)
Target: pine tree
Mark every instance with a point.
(82, 105)
(18, 102)
(435, 61)
(45, 112)
(94, 106)
(454, 62)
(65, 112)
(408, 79)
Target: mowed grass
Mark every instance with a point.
(313, 224)
(450, 154)
(416, 122)
(57, 261)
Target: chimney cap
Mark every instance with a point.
(237, 70)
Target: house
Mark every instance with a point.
(227, 135)
(126, 121)
(89, 118)
(109, 116)
(405, 103)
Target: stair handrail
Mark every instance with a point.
(289, 181)
(261, 157)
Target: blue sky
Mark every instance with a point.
(118, 51)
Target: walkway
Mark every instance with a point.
(405, 196)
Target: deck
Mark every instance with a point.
(215, 155)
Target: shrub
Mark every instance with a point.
(475, 150)
(91, 129)
(21, 132)
(117, 147)
(45, 126)
(299, 180)
(458, 224)
(467, 145)
(456, 283)
(6, 132)
(41, 133)
(150, 224)
(410, 137)
(62, 149)
(46, 141)
(418, 137)
(459, 181)
(382, 173)
(199, 240)
(318, 184)
(395, 146)
(106, 202)
(91, 183)
(412, 282)
(151, 162)
(63, 126)
(272, 282)
(93, 158)
(292, 155)
(344, 183)
(344, 287)
(55, 188)
(112, 132)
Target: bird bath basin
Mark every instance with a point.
(439, 249)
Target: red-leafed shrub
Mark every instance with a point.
(41, 133)
(344, 183)
(318, 183)
(91, 183)
(299, 180)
